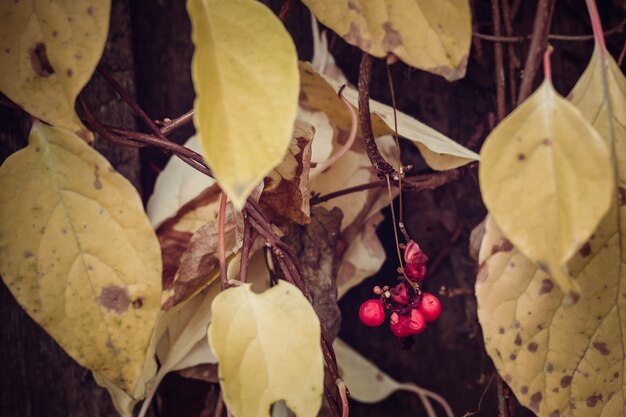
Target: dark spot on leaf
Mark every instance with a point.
(532, 347)
(96, 183)
(379, 376)
(7, 50)
(524, 390)
(115, 298)
(585, 250)
(616, 375)
(392, 38)
(601, 347)
(39, 60)
(90, 11)
(64, 231)
(508, 378)
(555, 413)
(77, 56)
(516, 324)
(621, 196)
(546, 142)
(540, 326)
(69, 72)
(592, 400)
(354, 37)
(518, 340)
(546, 286)
(498, 353)
(512, 356)
(354, 7)
(138, 303)
(54, 34)
(572, 298)
(501, 330)
(535, 402)
(521, 157)
(565, 381)
(549, 368)
(28, 254)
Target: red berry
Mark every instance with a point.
(399, 294)
(415, 272)
(429, 306)
(372, 313)
(413, 254)
(398, 327)
(404, 326)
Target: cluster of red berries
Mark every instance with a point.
(410, 308)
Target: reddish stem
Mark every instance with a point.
(547, 67)
(343, 393)
(353, 128)
(596, 24)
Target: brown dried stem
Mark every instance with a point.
(378, 161)
(538, 44)
(512, 57)
(417, 183)
(499, 61)
(619, 28)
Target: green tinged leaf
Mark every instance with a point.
(547, 179)
(245, 73)
(78, 253)
(261, 341)
(48, 52)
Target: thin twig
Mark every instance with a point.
(417, 183)
(480, 402)
(512, 57)
(245, 248)
(285, 10)
(171, 125)
(219, 407)
(499, 61)
(400, 168)
(125, 95)
(351, 137)
(619, 28)
(221, 238)
(343, 393)
(378, 161)
(538, 43)
(503, 407)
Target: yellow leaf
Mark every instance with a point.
(565, 361)
(78, 253)
(547, 179)
(268, 347)
(432, 36)
(49, 50)
(245, 73)
(603, 103)
(320, 93)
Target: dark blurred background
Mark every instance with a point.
(149, 51)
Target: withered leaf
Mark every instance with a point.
(285, 194)
(199, 263)
(175, 233)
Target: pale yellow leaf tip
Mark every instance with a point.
(245, 73)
